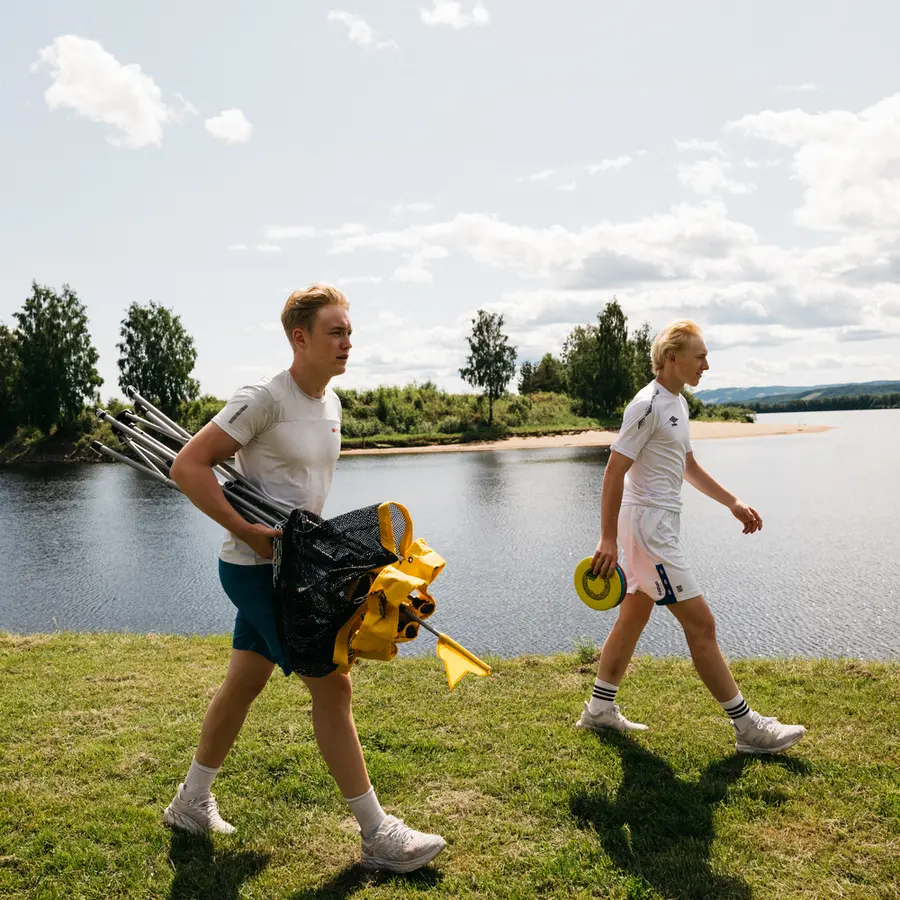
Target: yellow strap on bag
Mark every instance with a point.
(375, 630)
(377, 634)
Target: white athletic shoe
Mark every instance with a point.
(395, 847)
(198, 815)
(767, 735)
(610, 718)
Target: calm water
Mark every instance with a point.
(102, 548)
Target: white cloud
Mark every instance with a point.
(230, 125)
(708, 175)
(543, 175)
(268, 248)
(674, 243)
(93, 83)
(360, 32)
(619, 162)
(238, 247)
(417, 207)
(450, 12)
(414, 270)
(847, 162)
(702, 146)
(805, 88)
(751, 164)
(568, 188)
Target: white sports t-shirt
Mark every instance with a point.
(290, 446)
(656, 434)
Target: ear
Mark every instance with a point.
(298, 337)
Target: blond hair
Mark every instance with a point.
(301, 308)
(672, 338)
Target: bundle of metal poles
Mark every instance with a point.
(140, 431)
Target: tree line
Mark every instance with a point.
(824, 404)
(48, 363)
(48, 375)
(601, 366)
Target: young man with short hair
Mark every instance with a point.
(640, 510)
(284, 433)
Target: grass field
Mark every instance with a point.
(97, 730)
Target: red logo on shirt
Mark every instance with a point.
(334, 430)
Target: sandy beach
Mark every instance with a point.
(700, 431)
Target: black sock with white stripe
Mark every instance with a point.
(738, 711)
(603, 697)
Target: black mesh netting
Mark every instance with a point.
(323, 571)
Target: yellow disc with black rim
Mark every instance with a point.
(597, 592)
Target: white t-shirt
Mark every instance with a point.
(290, 446)
(656, 434)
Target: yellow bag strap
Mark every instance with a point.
(386, 527)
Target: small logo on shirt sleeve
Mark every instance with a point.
(673, 420)
(231, 420)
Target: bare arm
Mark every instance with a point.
(698, 477)
(192, 471)
(607, 552)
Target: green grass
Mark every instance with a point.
(97, 730)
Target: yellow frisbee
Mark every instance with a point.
(596, 592)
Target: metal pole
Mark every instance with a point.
(134, 395)
(103, 450)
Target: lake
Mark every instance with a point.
(101, 547)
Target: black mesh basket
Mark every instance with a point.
(323, 571)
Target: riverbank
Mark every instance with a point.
(700, 430)
(530, 807)
(34, 449)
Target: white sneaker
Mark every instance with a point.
(609, 718)
(395, 847)
(767, 735)
(198, 815)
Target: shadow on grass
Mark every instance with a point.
(206, 872)
(355, 878)
(660, 829)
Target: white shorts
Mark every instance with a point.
(653, 561)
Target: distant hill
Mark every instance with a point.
(782, 393)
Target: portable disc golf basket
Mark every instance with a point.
(328, 574)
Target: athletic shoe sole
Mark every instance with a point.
(409, 865)
(172, 819)
(768, 751)
(584, 726)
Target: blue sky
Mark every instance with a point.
(736, 164)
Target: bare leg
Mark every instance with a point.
(247, 675)
(618, 648)
(336, 732)
(699, 626)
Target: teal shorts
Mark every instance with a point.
(251, 590)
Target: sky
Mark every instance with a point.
(738, 164)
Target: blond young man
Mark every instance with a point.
(640, 511)
(284, 433)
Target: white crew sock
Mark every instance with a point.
(603, 697)
(368, 812)
(199, 779)
(739, 711)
